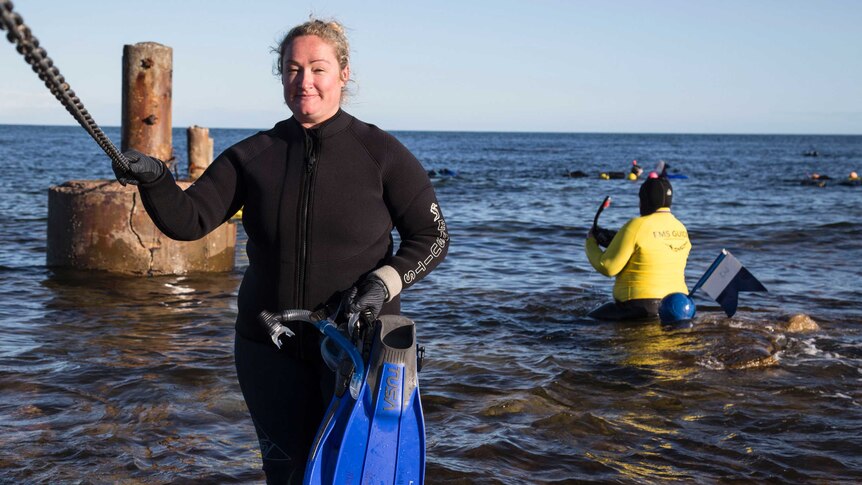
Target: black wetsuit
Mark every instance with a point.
(319, 207)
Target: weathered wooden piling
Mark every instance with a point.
(100, 224)
(200, 147)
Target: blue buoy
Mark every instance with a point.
(676, 308)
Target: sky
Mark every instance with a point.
(621, 66)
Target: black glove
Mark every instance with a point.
(142, 169)
(604, 236)
(367, 297)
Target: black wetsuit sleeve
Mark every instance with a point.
(416, 214)
(192, 214)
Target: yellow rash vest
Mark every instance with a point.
(647, 256)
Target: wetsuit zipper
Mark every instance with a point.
(312, 148)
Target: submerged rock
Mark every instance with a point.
(800, 323)
(752, 358)
(751, 353)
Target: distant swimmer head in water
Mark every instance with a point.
(853, 176)
(656, 192)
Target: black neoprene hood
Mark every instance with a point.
(654, 194)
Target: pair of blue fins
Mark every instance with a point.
(373, 431)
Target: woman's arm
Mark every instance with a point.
(191, 214)
(615, 258)
(416, 214)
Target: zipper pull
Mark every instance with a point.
(311, 148)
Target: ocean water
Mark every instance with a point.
(113, 379)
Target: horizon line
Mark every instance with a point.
(497, 131)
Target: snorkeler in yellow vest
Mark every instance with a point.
(636, 171)
(647, 256)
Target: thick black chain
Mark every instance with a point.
(28, 46)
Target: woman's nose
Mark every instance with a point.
(305, 80)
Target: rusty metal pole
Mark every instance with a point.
(200, 146)
(147, 95)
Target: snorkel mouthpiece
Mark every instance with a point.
(333, 337)
(272, 323)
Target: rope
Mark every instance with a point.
(28, 46)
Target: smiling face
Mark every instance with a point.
(313, 80)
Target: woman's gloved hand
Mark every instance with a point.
(142, 169)
(366, 297)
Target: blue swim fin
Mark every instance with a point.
(378, 435)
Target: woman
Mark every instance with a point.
(321, 193)
(648, 256)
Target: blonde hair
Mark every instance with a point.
(331, 31)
